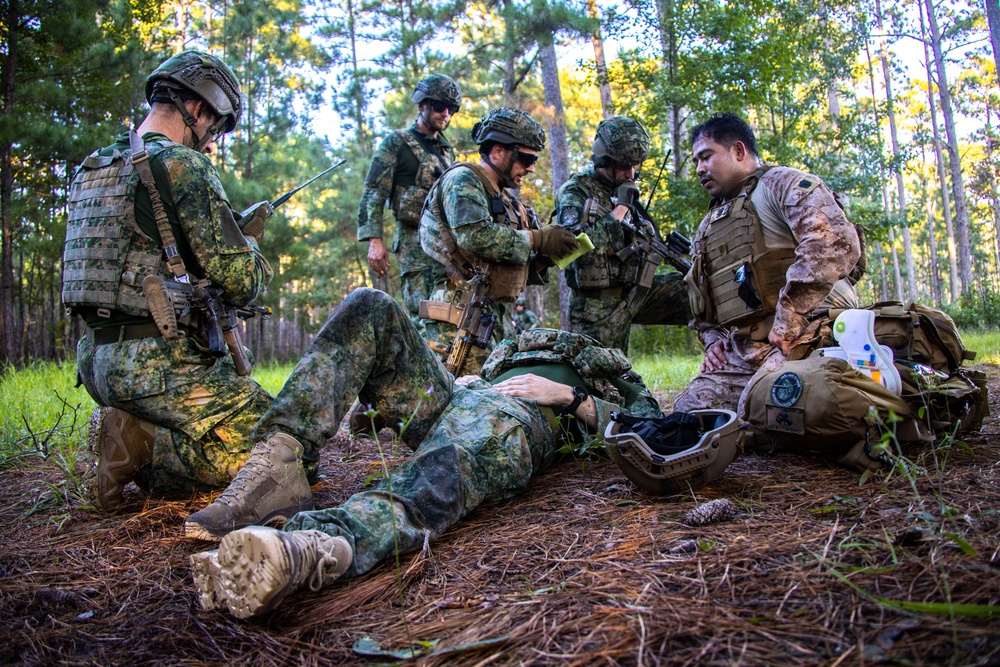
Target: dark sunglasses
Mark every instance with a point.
(527, 159)
(439, 107)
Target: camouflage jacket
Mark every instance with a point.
(799, 212)
(583, 203)
(395, 166)
(198, 209)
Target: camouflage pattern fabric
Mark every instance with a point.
(203, 409)
(609, 318)
(393, 164)
(826, 248)
(471, 444)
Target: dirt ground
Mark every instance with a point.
(583, 569)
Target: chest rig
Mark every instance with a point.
(107, 255)
(407, 201)
(738, 276)
(507, 281)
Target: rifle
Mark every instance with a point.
(477, 323)
(175, 306)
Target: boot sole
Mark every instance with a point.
(275, 519)
(207, 575)
(255, 571)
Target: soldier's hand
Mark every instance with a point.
(252, 220)
(378, 256)
(553, 241)
(628, 194)
(715, 356)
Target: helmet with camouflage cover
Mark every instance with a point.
(621, 140)
(510, 127)
(197, 75)
(438, 87)
(689, 450)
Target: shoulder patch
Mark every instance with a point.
(807, 184)
(569, 216)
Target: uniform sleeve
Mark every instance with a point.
(378, 187)
(826, 251)
(467, 210)
(226, 257)
(569, 214)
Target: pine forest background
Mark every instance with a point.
(893, 102)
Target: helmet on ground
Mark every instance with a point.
(674, 454)
(206, 76)
(438, 87)
(621, 140)
(510, 127)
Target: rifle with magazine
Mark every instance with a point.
(477, 324)
(179, 306)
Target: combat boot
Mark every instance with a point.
(255, 568)
(360, 424)
(122, 445)
(270, 487)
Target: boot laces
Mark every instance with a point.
(326, 565)
(256, 468)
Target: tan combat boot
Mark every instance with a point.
(270, 487)
(255, 568)
(122, 445)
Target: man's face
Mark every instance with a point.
(619, 173)
(437, 114)
(523, 162)
(721, 170)
(204, 118)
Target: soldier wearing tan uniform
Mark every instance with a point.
(774, 249)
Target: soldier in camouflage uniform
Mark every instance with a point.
(609, 289)
(473, 443)
(403, 169)
(175, 415)
(774, 249)
(524, 318)
(472, 225)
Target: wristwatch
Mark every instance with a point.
(579, 396)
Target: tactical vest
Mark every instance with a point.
(107, 255)
(507, 281)
(604, 269)
(407, 201)
(738, 276)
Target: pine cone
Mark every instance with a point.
(714, 511)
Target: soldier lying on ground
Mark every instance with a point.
(473, 443)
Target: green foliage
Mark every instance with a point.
(977, 310)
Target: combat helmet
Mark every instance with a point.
(438, 87)
(621, 140)
(674, 454)
(208, 78)
(510, 127)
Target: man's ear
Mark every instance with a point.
(740, 150)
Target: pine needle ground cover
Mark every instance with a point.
(815, 568)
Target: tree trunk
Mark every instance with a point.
(10, 343)
(942, 178)
(993, 16)
(607, 106)
(954, 161)
(559, 146)
(675, 111)
(935, 277)
(911, 287)
(359, 95)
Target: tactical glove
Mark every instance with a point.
(553, 241)
(252, 220)
(628, 194)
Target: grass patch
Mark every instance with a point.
(667, 372)
(986, 343)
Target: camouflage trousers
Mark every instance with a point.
(416, 286)
(609, 319)
(723, 388)
(471, 444)
(203, 410)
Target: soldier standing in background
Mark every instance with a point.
(774, 249)
(475, 229)
(608, 294)
(174, 417)
(524, 317)
(403, 169)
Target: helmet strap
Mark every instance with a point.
(504, 174)
(189, 120)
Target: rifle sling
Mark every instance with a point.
(140, 161)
